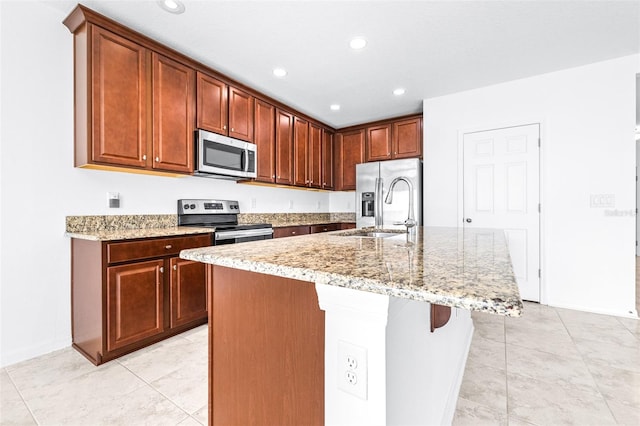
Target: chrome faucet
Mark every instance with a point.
(411, 221)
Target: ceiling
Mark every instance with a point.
(429, 48)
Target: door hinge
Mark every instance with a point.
(539, 143)
(539, 273)
(539, 208)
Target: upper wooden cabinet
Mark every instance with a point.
(134, 108)
(264, 138)
(327, 160)
(111, 111)
(300, 152)
(224, 109)
(407, 138)
(395, 139)
(173, 115)
(284, 147)
(349, 152)
(240, 115)
(212, 108)
(314, 157)
(378, 143)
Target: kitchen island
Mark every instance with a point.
(341, 328)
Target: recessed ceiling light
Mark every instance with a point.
(335, 107)
(173, 6)
(399, 91)
(279, 72)
(357, 43)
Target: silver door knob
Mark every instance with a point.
(468, 220)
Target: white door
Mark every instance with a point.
(502, 190)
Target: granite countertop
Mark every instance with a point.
(125, 227)
(463, 268)
(129, 234)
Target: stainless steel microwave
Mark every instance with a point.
(219, 156)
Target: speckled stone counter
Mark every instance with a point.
(468, 269)
(296, 219)
(127, 227)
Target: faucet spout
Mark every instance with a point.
(411, 221)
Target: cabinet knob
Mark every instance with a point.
(233, 130)
(293, 232)
(273, 177)
(168, 246)
(157, 159)
(175, 267)
(162, 269)
(224, 127)
(144, 157)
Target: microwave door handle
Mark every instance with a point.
(243, 160)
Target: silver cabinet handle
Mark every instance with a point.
(168, 246)
(233, 130)
(224, 127)
(157, 159)
(175, 267)
(162, 269)
(144, 157)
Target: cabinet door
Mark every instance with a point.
(378, 143)
(349, 153)
(264, 138)
(212, 104)
(119, 84)
(173, 115)
(315, 156)
(327, 160)
(240, 115)
(188, 291)
(284, 147)
(407, 138)
(300, 151)
(134, 302)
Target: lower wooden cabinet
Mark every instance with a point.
(134, 303)
(188, 291)
(292, 231)
(132, 293)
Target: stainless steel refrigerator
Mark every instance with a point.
(372, 187)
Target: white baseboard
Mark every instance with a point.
(24, 354)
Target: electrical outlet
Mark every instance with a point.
(253, 203)
(114, 200)
(352, 369)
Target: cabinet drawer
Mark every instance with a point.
(290, 231)
(325, 228)
(133, 250)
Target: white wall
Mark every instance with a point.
(39, 185)
(587, 116)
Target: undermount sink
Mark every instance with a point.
(372, 233)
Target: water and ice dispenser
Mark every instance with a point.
(368, 201)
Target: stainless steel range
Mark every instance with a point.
(223, 216)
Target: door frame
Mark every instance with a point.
(541, 183)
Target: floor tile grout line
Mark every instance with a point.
(586, 364)
(157, 390)
(24, 401)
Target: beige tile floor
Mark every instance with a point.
(549, 367)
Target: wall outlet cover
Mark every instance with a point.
(352, 369)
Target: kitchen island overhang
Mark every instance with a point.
(370, 295)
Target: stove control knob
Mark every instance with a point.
(193, 206)
(186, 206)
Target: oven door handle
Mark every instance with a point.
(228, 235)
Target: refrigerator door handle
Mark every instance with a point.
(378, 203)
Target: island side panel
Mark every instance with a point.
(266, 363)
